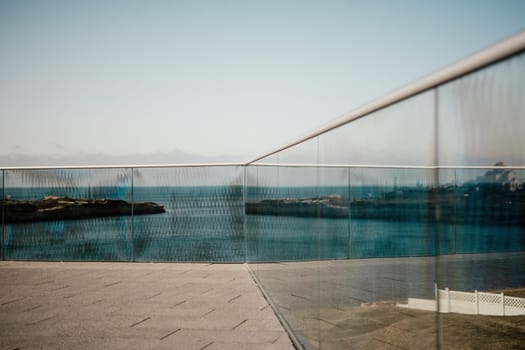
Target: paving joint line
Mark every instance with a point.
(240, 324)
(276, 339)
(300, 297)
(32, 308)
(153, 296)
(207, 345)
(43, 320)
(139, 322)
(234, 298)
(179, 303)
(71, 296)
(112, 284)
(207, 313)
(264, 307)
(59, 288)
(42, 283)
(171, 333)
(11, 301)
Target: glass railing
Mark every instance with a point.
(400, 227)
(185, 213)
(342, 262)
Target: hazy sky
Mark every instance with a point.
(174, 81)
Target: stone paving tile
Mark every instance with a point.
(54, 305)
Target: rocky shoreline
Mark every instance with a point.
(63, 208)
(327, 206)
(480, 204)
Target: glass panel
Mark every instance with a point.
(68, 214)
(481, 116)
(392, 212)
(390, 221)
(283, 227)
(334, 213)
(481, 122)
(204, 217)
(401, 134)
(486, 210)
(392, 243)
(487, 233)
(298, 215)
(281, 211)
(262, 228)
(304, 153)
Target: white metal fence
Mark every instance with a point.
(477, 303)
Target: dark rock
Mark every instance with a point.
(328, 206)
(63, 208)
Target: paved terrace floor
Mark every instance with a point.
(78, 305)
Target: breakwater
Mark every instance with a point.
(52, 208)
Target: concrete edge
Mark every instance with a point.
(287, 328)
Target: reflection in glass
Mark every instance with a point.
(487, 209)
(401, 134)
(483, 256)
(203, 219)
(392, 212)
(281, 213)
(283, 227)
(481, 119)
(334, 239)
(78, 216)
(481, 123)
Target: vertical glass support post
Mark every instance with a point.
(437, 208)
(244, 198)
(132, 217)
(454, 250)
(318, 240)
(348, 225)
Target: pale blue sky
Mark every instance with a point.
(138, 80)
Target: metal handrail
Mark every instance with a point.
(184, 165)
(283, 165)
(511, 46)
(385, 166)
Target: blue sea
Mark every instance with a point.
(207, 223)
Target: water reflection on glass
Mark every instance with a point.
(70, 237)
(203, 219)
